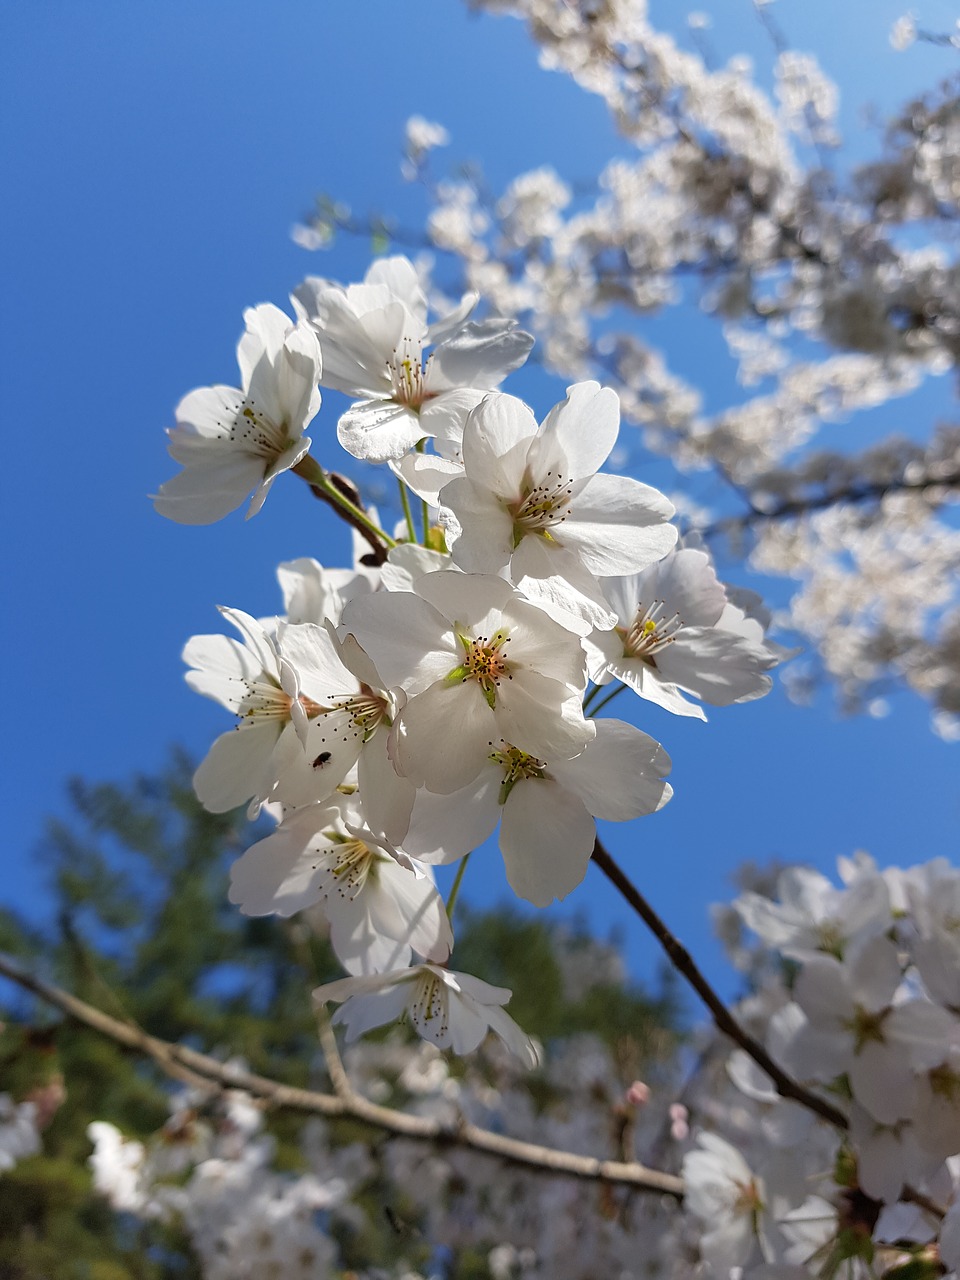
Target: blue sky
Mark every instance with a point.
(157, 157)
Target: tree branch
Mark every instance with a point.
(174, 1058)
(724, 1020)
(801, 506)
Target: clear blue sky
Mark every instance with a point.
(156, 157)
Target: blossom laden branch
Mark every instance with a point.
(174, 1058)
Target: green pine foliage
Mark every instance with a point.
(142, 929)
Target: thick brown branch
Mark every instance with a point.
(173, 1058)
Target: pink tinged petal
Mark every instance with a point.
(387, 798)
(444, 736)
(285, 872)
(717, 666)
(235, 766)
(208, 490)
(883, 1082)
(496, 439)
(445, 827)
(378, 430)
(541, 717)
(617, 525)
(584, 428)
(546, 838)
(479, 354)
(620, 775)
(485, 541)
(409, 641)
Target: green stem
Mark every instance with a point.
(310, 470)
(424, 505)
(407, 514)
(609, 698)
(590, 697)
(452, 900)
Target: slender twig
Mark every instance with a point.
(173, 1057)
(603, 701)
(684, 964)
(342, 497)
(801, 506)
(407, 514)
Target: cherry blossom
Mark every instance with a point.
(373, 338)
(230, 441)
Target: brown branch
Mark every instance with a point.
(724, 1020)
(173, 1058)
(801, 506)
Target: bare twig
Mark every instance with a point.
(724, 1020)
(172, 1058)
(684, 964)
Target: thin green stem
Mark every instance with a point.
(310, 470)
(452, 900)
(407, 514)
(424, 505)
(609, 698)
(591, 694)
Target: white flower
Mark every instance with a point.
(724, 1193)
(305, 719)
(373, 337)
(546, 811)
(379, 905)
(675, 630)
(18, 1131)
(231, 441)
(813, 915)
(530, 497)
(479, 666)
(854, 1027)
(903, 32)
(453, 1010)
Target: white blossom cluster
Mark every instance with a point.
(397, 715)
(855, 989)
(734, 200)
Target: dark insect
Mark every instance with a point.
(321, 759)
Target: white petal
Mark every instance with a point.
(546, 838)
